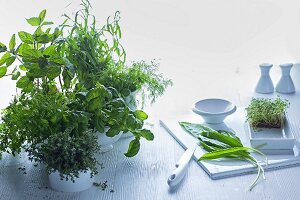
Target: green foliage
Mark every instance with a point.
(3, 48)
(106, 108)
(72, 84)
(134, 147)
(35, 118)
(52, 129)
(38, 55)
(268, 113)
(140, 77)
(223, 144)
(93, 54)
(45, 118)
(3, 71)
(91, 50)
(69, 154)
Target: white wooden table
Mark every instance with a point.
(209, 49)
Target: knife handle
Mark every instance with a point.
(177, 174)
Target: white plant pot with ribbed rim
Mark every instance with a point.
(105, 142)
(83, 182)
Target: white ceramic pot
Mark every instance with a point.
(131, 100)
(105, 142)
(10, 160)
(127, 135)
(83, 182)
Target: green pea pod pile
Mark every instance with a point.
(223, 144)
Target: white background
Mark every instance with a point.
(212, 43)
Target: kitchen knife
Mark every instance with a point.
(181, 166)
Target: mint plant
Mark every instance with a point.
(38, 57)
(46, 117)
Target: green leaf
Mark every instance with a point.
(4, 58)
(12, 42)
(194, 129)
(47, 23)
(99, 125)
(34, 21)
(57, 59)
(134, 147)
(3, 71)
(93, 93)
(141, 115)
(25, 37)
(226, 152)
(42, 15)
(15, 75)
(222, 138)
(23, 82)
(49, 51)
(53, 71)
(125, 92)
(31, 55)
(38, 32)
(23, 68)
(147, 134)
(10, 60)
(94, 104)
(113, 131)
(2, 48)
(67, 78)
(44, 39)
(35, 71)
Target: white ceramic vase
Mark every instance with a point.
(105, 142)
(285, 84)
(295, 73)
(265, 84)
(83, 182)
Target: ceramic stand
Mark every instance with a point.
(285, 84)
(265, 84)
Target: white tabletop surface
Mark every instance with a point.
(210, 48)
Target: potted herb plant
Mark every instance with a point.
(267, 113)
(91, 54)
(45, 118)
(39, 63)
(69, 159)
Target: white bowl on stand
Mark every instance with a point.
(214, 111)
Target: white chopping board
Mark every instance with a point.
(228, 168)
